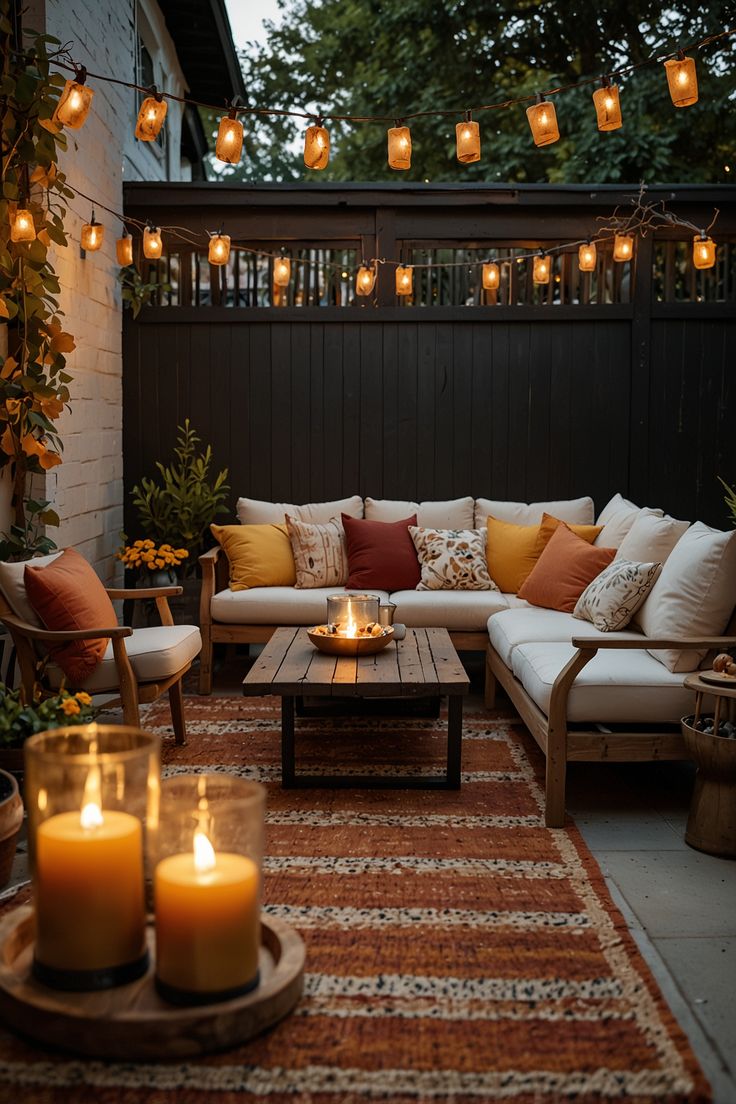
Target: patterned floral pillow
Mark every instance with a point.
(452, 559)
(320, 553)
(615, 595)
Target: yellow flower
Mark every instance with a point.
(83, 697)
(70, 707)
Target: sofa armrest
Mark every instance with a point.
(683, 643)
(208, 563)
(144, 592)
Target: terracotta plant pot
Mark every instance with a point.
(11, 818)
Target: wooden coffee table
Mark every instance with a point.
(423, 664)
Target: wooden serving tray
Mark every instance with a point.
(132, 1021)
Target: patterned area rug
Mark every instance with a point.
(457, 951)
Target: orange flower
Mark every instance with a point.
(71, 707)
(83, 697)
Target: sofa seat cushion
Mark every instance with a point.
(455, 610)
(509, 628)
(615, 687)
(276, 605)
(154, 653)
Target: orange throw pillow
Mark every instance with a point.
(563, 570)
(67, 596)
(550, 523)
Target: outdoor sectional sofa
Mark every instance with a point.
(583, 693)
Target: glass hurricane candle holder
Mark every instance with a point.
(207, 887)
(350, 613)
(92, 794)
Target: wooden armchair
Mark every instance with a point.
(138, 666)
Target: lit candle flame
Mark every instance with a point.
(91, 814)
(682, 77)
(609, 103)
(543, 118)
(204, 852)
(75, 99)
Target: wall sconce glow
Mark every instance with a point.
(399, 147)
(151, 118)
(541, 270)
(92, 235)
(281, 271)
(607, 106)
(404, 280)
(623, 247)
(316, 147)
(219, 250)
(543, 122)
(682, 80)
(467, 140)
(587, 256)
(22, 228)
(365, 280)
(74, 102)
(491, 276)
(152, 244)
(124, 249)
(229, 144)
(704, 251)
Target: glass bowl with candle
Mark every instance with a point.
(207, 887)
(353, 626)
(92, 796)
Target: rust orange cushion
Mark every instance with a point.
(68, 596)
(549, 524)
(563, 570)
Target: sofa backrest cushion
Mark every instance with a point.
(651, 538)
(381, 554)
(511, 551)
(579, 511)
(13, 584)
(456, 513)
(258, 555)
(251, 511)
(618, 504)
(563, 571)
(694, 596)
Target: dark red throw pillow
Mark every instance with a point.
(381, 554)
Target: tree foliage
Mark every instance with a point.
(394, 57)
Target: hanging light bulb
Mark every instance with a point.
(316, 146)
(682, 80)
(74, 102)
(623, 247)
(21, 227)
(467, 140)
(587, 257)
(229, 144)
(607, 105)
(404, 280)
(399, 146)
(543, 121)
(152, 244)
(151, 117)
(92, 235)
(124, 249)
(542, 269)
(281, 271)
(704, 251)
(491, 276)
(219, 250)
(365, 280)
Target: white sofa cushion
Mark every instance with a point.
(618, 525)
(575, 511)
(251, 511)
(457, 513)
(456, 610)
(154, 653)
(651, 538)
(695, 595)
(617, 686)
(12, 583)
(509, 628)
(277, 605)
(619, 504)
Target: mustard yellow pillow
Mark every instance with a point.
(259, 555)
(511, 551)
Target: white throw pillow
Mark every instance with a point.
(251, 511)
(452, 559)
(575, 511)
(457, 513)
(617, 525)
(651, 539)
(615, 595)
(694, 596)
(619, 503)
(12, 582)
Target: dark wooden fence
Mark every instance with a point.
(556, 395)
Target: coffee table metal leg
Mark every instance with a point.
(454, 740)
(288, 769)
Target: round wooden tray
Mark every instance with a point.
(132, 1021)
(351, 645)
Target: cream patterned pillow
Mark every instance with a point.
(452, 559)
(320, 553)
(615, 595)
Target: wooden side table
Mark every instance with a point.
(711, 823)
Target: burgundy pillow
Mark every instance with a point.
(381, 554)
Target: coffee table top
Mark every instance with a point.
(423, 663)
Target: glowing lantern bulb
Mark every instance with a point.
(152, 244)
(219, 250)
(92, 235)
(404, 280)
(365, 280)
(22, 228)
(399, 147)
(316, 147)
(282, 271)
(543, 122)
(150, 118)
(607, 107)
(682, 80)
(541, 270)
(229, 144)
(587, 257)
(704, 251)
(124, 249)
(491, 276)
(74, 103)
(467, 140)
(623, 247)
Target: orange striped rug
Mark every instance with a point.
(457, 950)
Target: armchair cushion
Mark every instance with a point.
(155, 653)
(67, 595)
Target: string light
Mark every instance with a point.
(607, 106)
(229, 144)
(704, 251)
(399, 147)
(682, 80)
(74, 102)
(587, 257)
(467, 140)
(92, 235)
(152, 244)
(404, 280)
(623, 247)
(541, 270)
(543, 122)
(219, 249)
(281, 271)
(151, 117)
(22, 228)
(124, 249)
(491, 276)
(316, 146)
(365, 280)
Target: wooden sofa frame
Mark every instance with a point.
(561, 744)
(215, 578)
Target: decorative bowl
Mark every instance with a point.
(333, 644)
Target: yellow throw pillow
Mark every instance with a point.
(550, 523)
(511, 551)
(259, 555)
